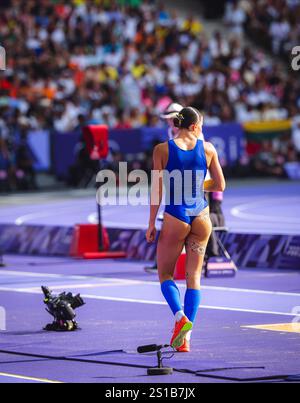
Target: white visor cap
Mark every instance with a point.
(171, 111)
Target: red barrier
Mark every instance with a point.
(96, 140)
(85, 243)
(180, 267)
(85, 240)
(88, 242)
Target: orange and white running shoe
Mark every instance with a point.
(181, 330)
(185, 348)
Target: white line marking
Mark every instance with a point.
(126, 226)
(21, 220)
(148, 302)
(116, 281)
(249, 291)
(61, 276)
(58, 209)
(93, 219)
(45, 275)
(76, 286)
(132, 282)
(27, 378)
(248, 311)
(226, 289)
(239, 211)
(219, 308)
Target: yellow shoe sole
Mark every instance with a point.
(179, 340)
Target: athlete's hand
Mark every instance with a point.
(151, 234)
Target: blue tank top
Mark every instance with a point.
(185, 190)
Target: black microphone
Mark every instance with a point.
(150, 348)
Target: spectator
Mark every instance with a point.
(94, 58)
(25, 172)
(4, 165)
(274, 23)
(296, 133)
(122, 62)
(122, 121)
(279, 32)
(235, 17)
(268, 162)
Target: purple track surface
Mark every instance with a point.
(124, 309)
(250, 207)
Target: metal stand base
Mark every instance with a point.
(160, 371)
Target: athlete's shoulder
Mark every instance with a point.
(161, 155)
(161, 149)
(209, 148)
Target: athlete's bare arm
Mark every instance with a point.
(160, 159)
(217, 182)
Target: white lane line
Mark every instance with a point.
(60, 276)
(39, 275)
(27, 378)
(25, 218)
(33, 216)
(70, 208)
(77, 286)
(60, 209)
(239, 211)
(151, 302)
(228, 289)
(218, 308)
(141, 282)
(125, 225)
(249, 291)
(93, 219)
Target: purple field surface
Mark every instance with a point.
(124, 309)
(249, 207)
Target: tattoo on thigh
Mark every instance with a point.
(196, 247)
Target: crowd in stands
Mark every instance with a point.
(271, 158)
(121, 65)
(16, 165)
(272, 23)
(121, 62)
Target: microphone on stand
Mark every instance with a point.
(150, 348)
(160, 369)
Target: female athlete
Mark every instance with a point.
(186, 222)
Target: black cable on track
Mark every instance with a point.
(200, 373)
(70, 359)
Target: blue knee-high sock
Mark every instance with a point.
(191, 303)
(172, 295)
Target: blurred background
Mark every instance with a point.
(122, 62)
